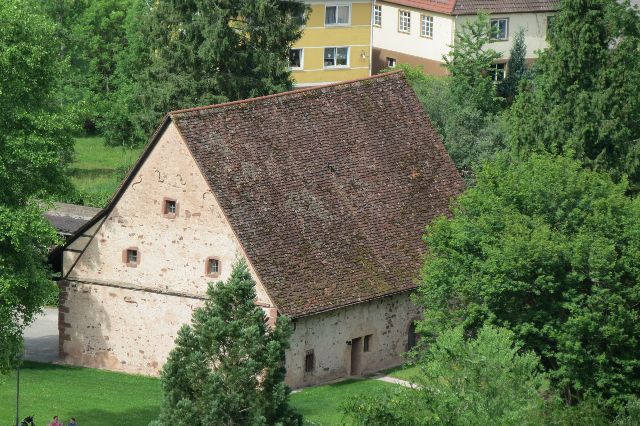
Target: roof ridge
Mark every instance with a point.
(282, 94)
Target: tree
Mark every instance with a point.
(202, 52)
(486, 380)
(470, 62)
(97, 37)
(228, 366)
(550, 251)
(516, 68)
(34, 146)
(585, 97)
(470, 135)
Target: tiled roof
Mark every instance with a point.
(472, 7)
(68, 218)
(328, 189)
(441, 6)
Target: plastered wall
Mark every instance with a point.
(108, 307)
(386, 320)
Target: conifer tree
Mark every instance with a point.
(200, 52)
(228, 366)
(585, 97)
(516, 68)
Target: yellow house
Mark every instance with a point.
(336, 44)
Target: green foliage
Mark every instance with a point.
(469, 63)
(585, 97)
(228, 366)
(486, 380)
(194, 52)
(550, 251)
(34, 146)
(516, 68)
(470, 135)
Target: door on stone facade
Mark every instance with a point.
(413, 336)
(356, 356)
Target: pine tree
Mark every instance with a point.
(228, 366)
(206, 51)
(585, 97)
(516, 68)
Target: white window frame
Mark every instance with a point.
(391, 62)
(506, 29)
(426, 26)
(301, 59)
(377, 15)
(335, 57)
(336, 24)
(401, 15)
(495, 70)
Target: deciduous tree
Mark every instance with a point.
(550, 251)
(34, 146)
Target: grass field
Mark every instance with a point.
(97, 169)
(404, 372)
(100, 398)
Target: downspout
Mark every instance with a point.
(373, 11)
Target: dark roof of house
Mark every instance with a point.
(472, 7)
(68, 218)
(328, 189)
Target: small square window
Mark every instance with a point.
(391, 62)
(367, 343)
(377, 15)
(169, 208)
(309, 361)
(404, 21)
(500, 29)
(131, 256)
(212, 267)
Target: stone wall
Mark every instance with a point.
(122, 317)
(331, 338)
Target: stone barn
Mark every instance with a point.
(324, 191)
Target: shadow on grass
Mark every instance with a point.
(94, 397)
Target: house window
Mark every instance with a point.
(169, 208)
(391, 62)
(295, 59)
(212, 267)
(309, 361)
(498, 72)
(367, 343)
(426, 26)
(404, 21)
(131, 256)
(337, 15)
(377, 15)
(500, 29)
(336, 56)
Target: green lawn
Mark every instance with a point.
(95, 397)
(97, 169)
(404, 372)
(99, 398)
